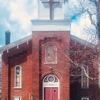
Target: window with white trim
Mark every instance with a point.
(85, 99)
(30, 96)
(84, 77)
(17, 78)
(50, 54)
(17, 98)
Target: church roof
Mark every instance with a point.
(28, 38)
(16, 43)
(84, 42)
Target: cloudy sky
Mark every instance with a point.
(15, 16)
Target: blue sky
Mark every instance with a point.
(15, 16)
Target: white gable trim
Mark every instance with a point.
(15, 44)
(84, 42)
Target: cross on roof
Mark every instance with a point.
(51, 3)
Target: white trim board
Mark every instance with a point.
(51, 25)
(84, 98)
(14, 44)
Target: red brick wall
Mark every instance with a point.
(83, 54)
(4, 78)
(31, 58)
(61, 69)
(22, 57)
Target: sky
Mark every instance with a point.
(15, 16)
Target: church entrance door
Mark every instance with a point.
(51, 88)
(51, 93)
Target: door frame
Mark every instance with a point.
(50, 84)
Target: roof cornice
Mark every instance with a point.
(28, 38)
(14, 44)
(81, 41)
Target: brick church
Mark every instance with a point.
(38, 66)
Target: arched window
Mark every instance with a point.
(84, 78)
(50, 54)
(51, 87)
(17, 76)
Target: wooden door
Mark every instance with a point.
(51, 93)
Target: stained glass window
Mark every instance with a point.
(85, 80)
(17, 76)
(51, 54)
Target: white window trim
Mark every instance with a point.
(45, 62)
(82, 77)
(18, 97)
(30, 94)
(85, 98)
(20, 77)
(50, 84)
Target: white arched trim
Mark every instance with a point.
(50, 54)
(53, 82)
(20, 77)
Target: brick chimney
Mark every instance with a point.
(7, 37)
